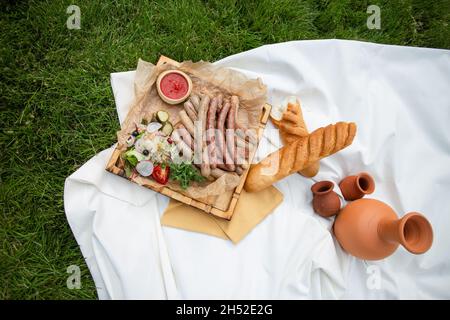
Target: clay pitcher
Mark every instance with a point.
(370, 229)
(326, 202)
(357, 186)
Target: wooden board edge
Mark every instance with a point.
(264, 118)
(163, 59)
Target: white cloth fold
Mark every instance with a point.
(399, 98)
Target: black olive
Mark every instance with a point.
(135, 133)
(145, 152)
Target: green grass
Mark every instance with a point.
(57, 108)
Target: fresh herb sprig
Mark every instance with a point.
(130, 160)
(184, 173)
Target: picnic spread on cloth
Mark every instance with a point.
(227, 177)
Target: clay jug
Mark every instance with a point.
(357, 186)
(370, 229)
(326, 202)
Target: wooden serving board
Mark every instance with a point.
(222, 206)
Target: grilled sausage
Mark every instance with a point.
(227, 159)
(220, 139)
(201, 123)
(230, 124)
(195, 100)
(185, 135)
(219, 103)
(210, 132)
(181, 145)
(217, 173)
(187, 122)
(204, 166)
(248, 135)
(190, 110)
(239, 170)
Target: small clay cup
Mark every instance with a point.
(326, 202)
(357, 186)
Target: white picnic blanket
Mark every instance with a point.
(400, 99)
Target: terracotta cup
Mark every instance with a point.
(357, 186)
(326, 202)
(370, 229)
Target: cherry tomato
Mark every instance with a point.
(161, 175)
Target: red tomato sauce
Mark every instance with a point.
(174, 86)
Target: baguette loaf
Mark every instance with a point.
(300, 154)
(291, 127)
